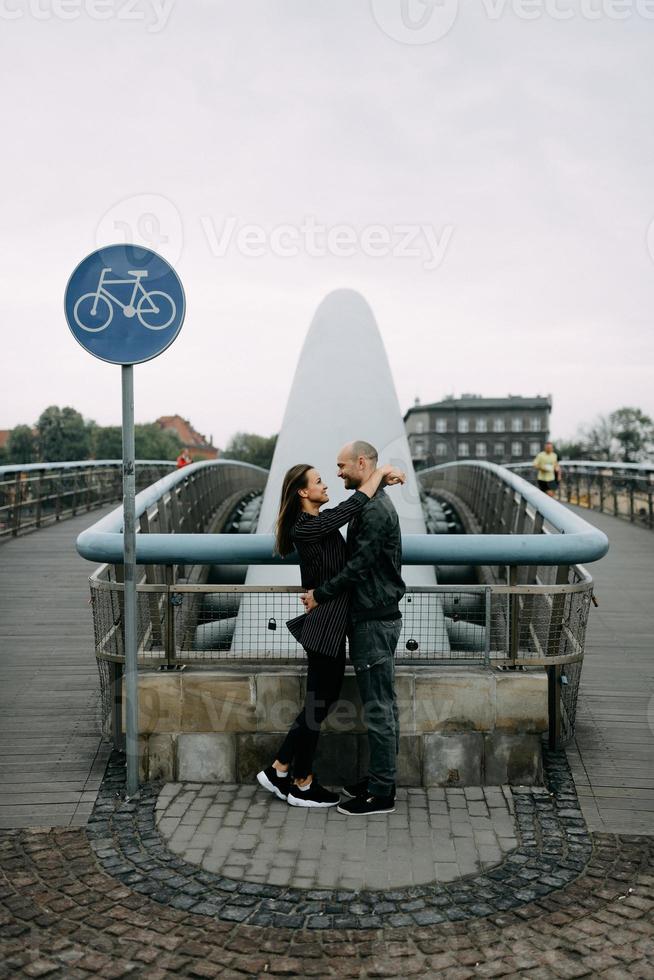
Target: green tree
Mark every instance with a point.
(108, 442)
(63, 435)
(153, 442)
(21, 445)
(251, 448)
(575, 449)
(597, 440)
(633, 431)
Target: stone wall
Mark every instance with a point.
(459, 726)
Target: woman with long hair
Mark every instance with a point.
(314, 533)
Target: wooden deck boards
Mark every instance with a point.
(612, 756)
(51, 755)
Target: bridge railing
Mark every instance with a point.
(530, 608)
(623, 490)
(36, 494)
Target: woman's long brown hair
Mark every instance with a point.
(290, 507)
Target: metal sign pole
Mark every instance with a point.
(106, 328)
(129, 558)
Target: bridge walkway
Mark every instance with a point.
(612, 756)
(51, 755)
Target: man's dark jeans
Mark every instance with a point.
(372, 652)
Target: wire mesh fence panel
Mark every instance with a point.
(469, 624)
(510, 627)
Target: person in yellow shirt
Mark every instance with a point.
(546, 464)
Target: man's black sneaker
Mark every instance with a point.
(356, 789)
(271, 780)
(315, 796)
(364, 806)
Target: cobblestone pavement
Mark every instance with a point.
(111, 900)
(245, 833)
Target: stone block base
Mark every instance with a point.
(460, 726)
(451, 759)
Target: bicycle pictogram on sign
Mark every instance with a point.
(94, 311)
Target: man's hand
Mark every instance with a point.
(308, 601)
(393, 475)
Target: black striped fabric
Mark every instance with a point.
(321, 550)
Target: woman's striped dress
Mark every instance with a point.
(322, 554)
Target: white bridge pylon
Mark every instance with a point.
(342, 390)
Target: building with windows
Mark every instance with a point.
(197, 445)
(501, 430)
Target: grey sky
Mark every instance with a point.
(523, 147)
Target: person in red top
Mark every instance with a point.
(183, 459)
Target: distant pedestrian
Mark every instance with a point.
(548, 471)
(184, 459)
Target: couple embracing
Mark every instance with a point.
(352, 589)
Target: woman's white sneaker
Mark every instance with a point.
(271, 780)
(314, 795)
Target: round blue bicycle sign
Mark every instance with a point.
(124, 304)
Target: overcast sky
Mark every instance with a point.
(510, 156)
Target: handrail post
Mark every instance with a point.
(17, 504)
(554, 672)
(554, 705)
(116, 686)
(39, 494)
(170, 618)
(514, 610)
(57, 498)
(488, 598)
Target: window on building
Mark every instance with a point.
(499, 449)
(516, 425)
(480, 449)
(441, 425)
(420, 426)
(464, 449)
(516, 449)
(498, 425)
(481, 425)
(464, 425)
(441, 449)
(535, 423)
(534, 448)
(418, 448)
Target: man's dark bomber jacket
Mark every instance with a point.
(374, 562)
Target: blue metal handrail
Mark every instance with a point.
(576, 542)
